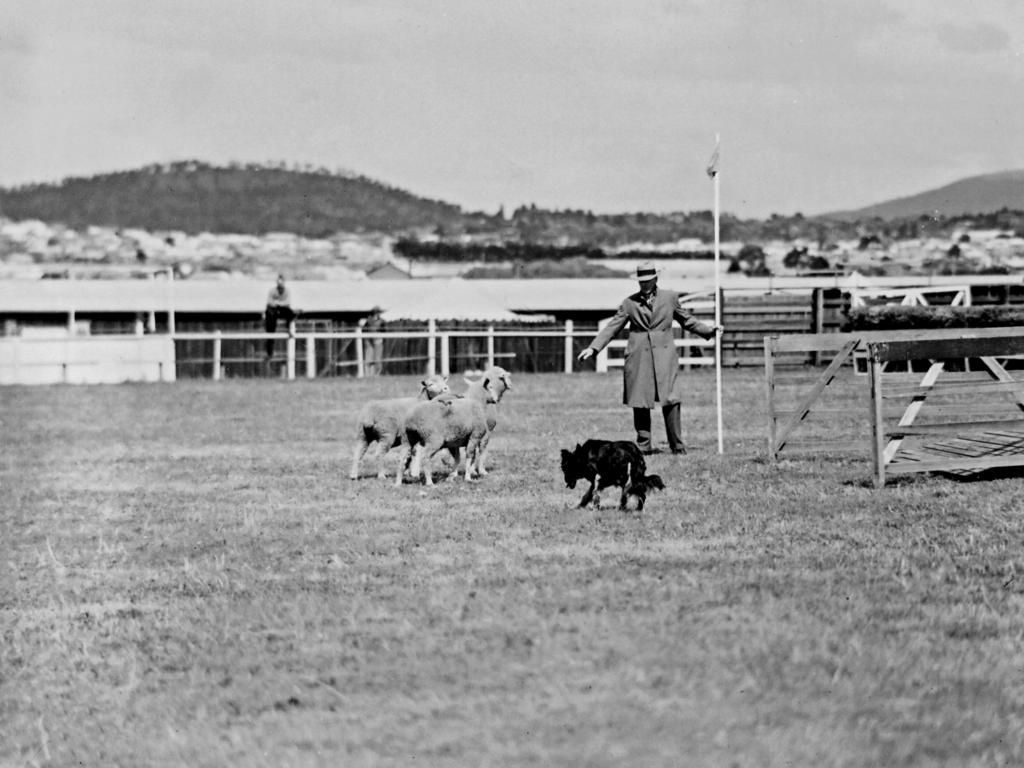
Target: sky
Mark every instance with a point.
(603, 105)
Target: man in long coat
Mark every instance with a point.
(652, 362)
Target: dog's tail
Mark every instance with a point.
(650, 483)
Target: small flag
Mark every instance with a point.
(712, 168)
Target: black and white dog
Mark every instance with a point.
(605, 463)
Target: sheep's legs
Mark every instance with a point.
(457, 456)
(481, 469)
(424, 454)
(384, 444)
(472, 458)
(405, 458)
(357, 454)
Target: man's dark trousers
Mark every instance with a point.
(673, 427)
(273, 314)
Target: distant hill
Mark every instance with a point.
(977, 194)
(194, 197)
(253, 199)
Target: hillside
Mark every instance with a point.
(252, 199)
(977, 194)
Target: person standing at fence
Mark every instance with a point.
(279, 307)
(373, 348)
(652, 362)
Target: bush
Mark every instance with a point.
(891, 318)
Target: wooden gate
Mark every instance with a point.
(800, 394)
(955, 421)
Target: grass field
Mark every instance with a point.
(189, 578)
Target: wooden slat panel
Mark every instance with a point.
(946, 465)
(965, 411)
(951, 428)
(824, 412)
(822, 342)
(935, 348)
(824, 446)
(980, 386)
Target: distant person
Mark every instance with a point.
(279, 307)
(652, 362)
(373, 349)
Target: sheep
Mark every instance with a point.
(448, 422)
(380, 422)
(501, 380)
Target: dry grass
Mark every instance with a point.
(190, 579)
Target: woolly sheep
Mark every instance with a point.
(448, 422)
(501, 380)
(380, 422)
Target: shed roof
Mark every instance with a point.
(418, 299)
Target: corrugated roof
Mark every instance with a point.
(441, 299)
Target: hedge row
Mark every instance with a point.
(890, 318)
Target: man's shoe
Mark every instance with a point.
(679, 451)
(649, 451)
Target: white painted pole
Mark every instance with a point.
(490, 346)
(431, 344)
(718, 306)
(310, 357)
(601, 358)
(216, 355)
(446, 367)
(360, 362)
(568, 346)
(290, 345)
(171, 325)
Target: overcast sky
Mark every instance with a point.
(597, 104)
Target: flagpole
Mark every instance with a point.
(718, 306)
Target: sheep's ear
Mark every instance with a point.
(578, 446)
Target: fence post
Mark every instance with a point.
(290, 367)
(769, 386)
(817, 317)
(360, 362)
(445, 354)
(216, 355)
(310, 357)
(568, 346)
(490, 346)
(431, 342)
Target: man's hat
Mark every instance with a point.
(646, 271)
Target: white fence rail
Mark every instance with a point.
(86, 359)
(438, 357)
